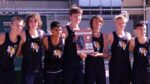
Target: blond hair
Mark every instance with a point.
(120, 17)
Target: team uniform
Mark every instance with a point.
(94, 66)
(32, 60)
(72, 63)
(7, 54)
(141, 64)
(53, 64)
(119, 64)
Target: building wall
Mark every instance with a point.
(35, 4)
(133, 3)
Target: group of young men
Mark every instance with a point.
(53, 58)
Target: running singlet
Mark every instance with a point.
(98, 45)
(141, 64)
(51, 62)
(7, 53)
(32, 54)
(70, 52)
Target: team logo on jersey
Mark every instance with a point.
(143, 51)
(11, 50)
(35, 47)
(122, 45)
(57, 53)
(97, 45)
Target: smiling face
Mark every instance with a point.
(56, 31)
(17, 25)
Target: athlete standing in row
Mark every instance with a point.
(94, 65)
(31, 48)
(9, 43)
(53, 45)
(72, 62)
(119, 64)
(140, 46)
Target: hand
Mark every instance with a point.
(93, 54)
(83, 56)
(96, 54)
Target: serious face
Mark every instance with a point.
(33, 23)
(75, 18)
(96, 24)
(120, 24)
(141, 31)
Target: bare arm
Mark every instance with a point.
(2, 38)
(129, 37)
(23, 39)
(64, 32)
(42, 34)
(45, 43)
(106, 52)
(110, 39)
(131, 45)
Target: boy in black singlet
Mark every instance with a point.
(9, 42)
(54, 46)
(72, 62)
(32, 51)
(140, 46)
(119, 64)
(94, 64)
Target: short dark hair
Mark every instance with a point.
(54, 24)
(139, 24)
(75, 10)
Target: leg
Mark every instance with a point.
(68, 75)
(100, 75)
(38, 78)
(90, 74)
(79, 76)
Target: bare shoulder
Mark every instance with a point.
(132, 41)
(128, 35)
(132, 44)
(45, 37)
(2, 34)
(23, 36)
(42, 33)
(2, 37)
(64, 31)
(110, 38)
(110, 35)
(104, 35)
(45, 41)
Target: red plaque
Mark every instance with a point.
(83, 39)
